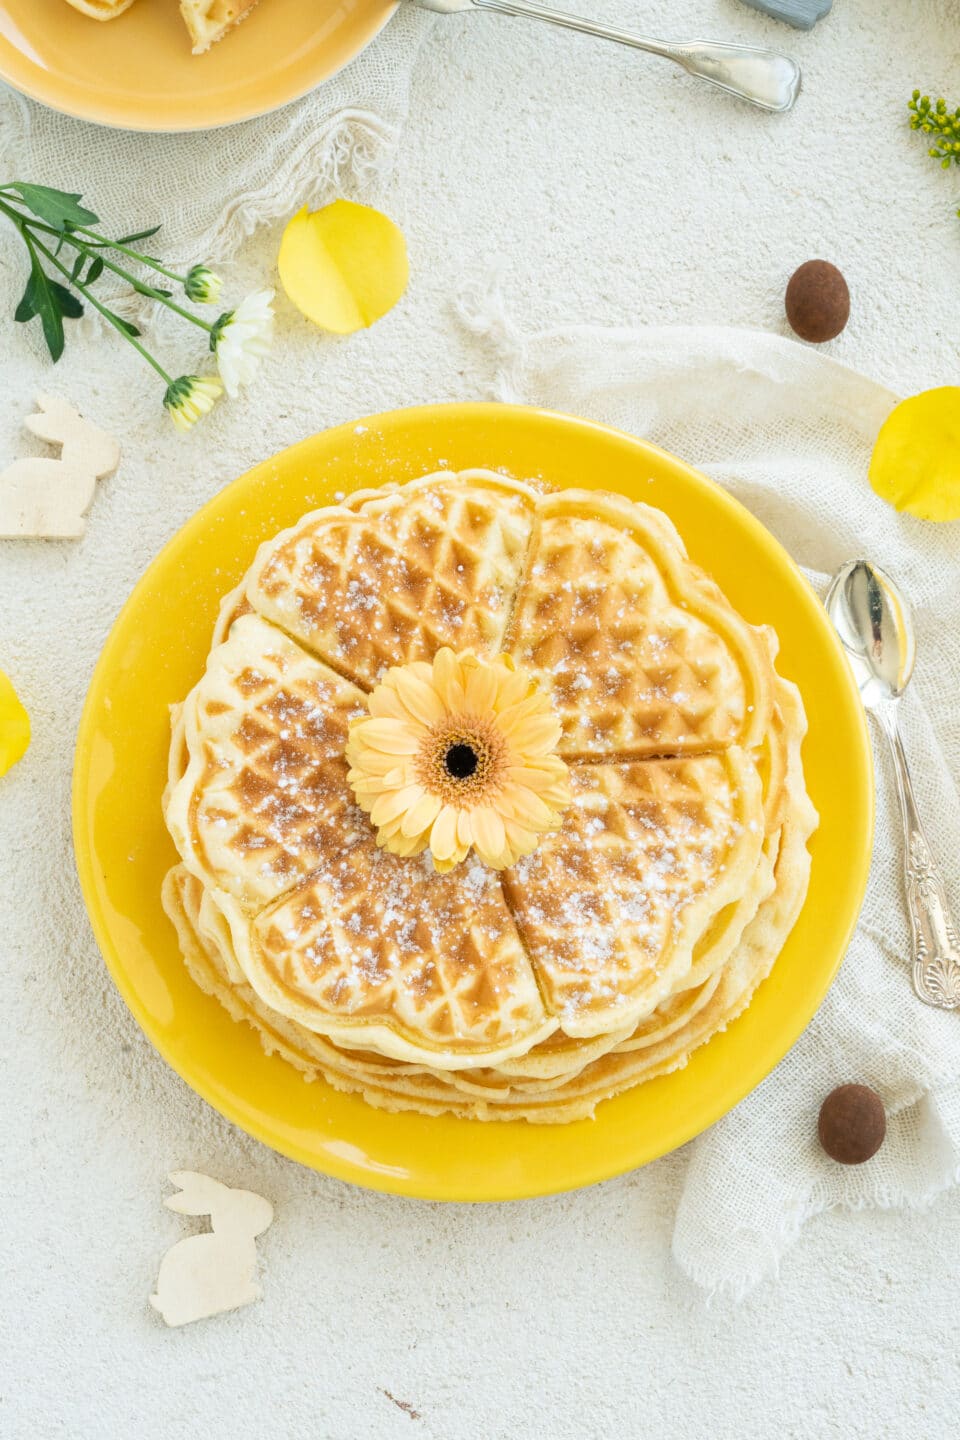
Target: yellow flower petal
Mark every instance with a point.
(464, 829)
(14, 726)
(513, 715)
(370, 762)
(402, 845)
(489, 836)
(443, 836)
(420, 699)
(385, 704)
(343, 266)
(536, 735)
(392, 737)
(481, 690)
(513, 689)
(916, 461)
(448, 680)
(394, 803)
(421, 815)
(444, 866)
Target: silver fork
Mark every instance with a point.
(765, 78)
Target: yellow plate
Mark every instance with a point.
(137, 72)
(156, 652)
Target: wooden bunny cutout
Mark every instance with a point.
(209, 1273)
(45, 498)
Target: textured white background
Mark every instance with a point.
(606, 188)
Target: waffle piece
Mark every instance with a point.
(639, 651)
(402, 574)
(611, 906)
(101, 9)
(264, 794)
(207, 21)
(381, 952)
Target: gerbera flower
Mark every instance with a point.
(241, 338)
(459, 754)
(191, 397)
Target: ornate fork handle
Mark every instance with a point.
(936, 947)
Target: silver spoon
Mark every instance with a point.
(873, 621)
(764, 77)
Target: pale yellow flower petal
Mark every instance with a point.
(481, 690)
(394, 803)
(443, 836)
(537, 735)
(393, 737)
(420, 699)
(385, 704)
(514, 715)
(448, 681)
(513, 689)
(488, 832)
(421, 815)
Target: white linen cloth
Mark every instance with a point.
(211, 189)
(789, 432)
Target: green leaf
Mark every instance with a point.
(95, 271)
(78, 264)
(40, 298)
(57, 207)
(123, 324)
(70, 306)
(138, 235)
(27, 308)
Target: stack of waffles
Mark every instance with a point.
(632, 933)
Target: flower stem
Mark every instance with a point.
(133, 254)
(142, 289)
(25, 224)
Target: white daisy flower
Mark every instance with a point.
(241, 338)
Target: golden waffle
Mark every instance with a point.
(263, 797)
(611, 906)
(640, 652)
(381, 952)
(403, 574)
(627, 938)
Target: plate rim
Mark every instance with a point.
(116, 119)
(348, 1170)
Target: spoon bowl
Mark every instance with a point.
(875, 625)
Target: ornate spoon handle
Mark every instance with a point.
(936, 947)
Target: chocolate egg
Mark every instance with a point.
(817, 301)
(852, 1124)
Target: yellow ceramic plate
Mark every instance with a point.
(136, 71)
(157, 651)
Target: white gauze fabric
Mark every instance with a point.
(211, 189)
(789, 432)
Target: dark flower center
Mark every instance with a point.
(460, 761)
